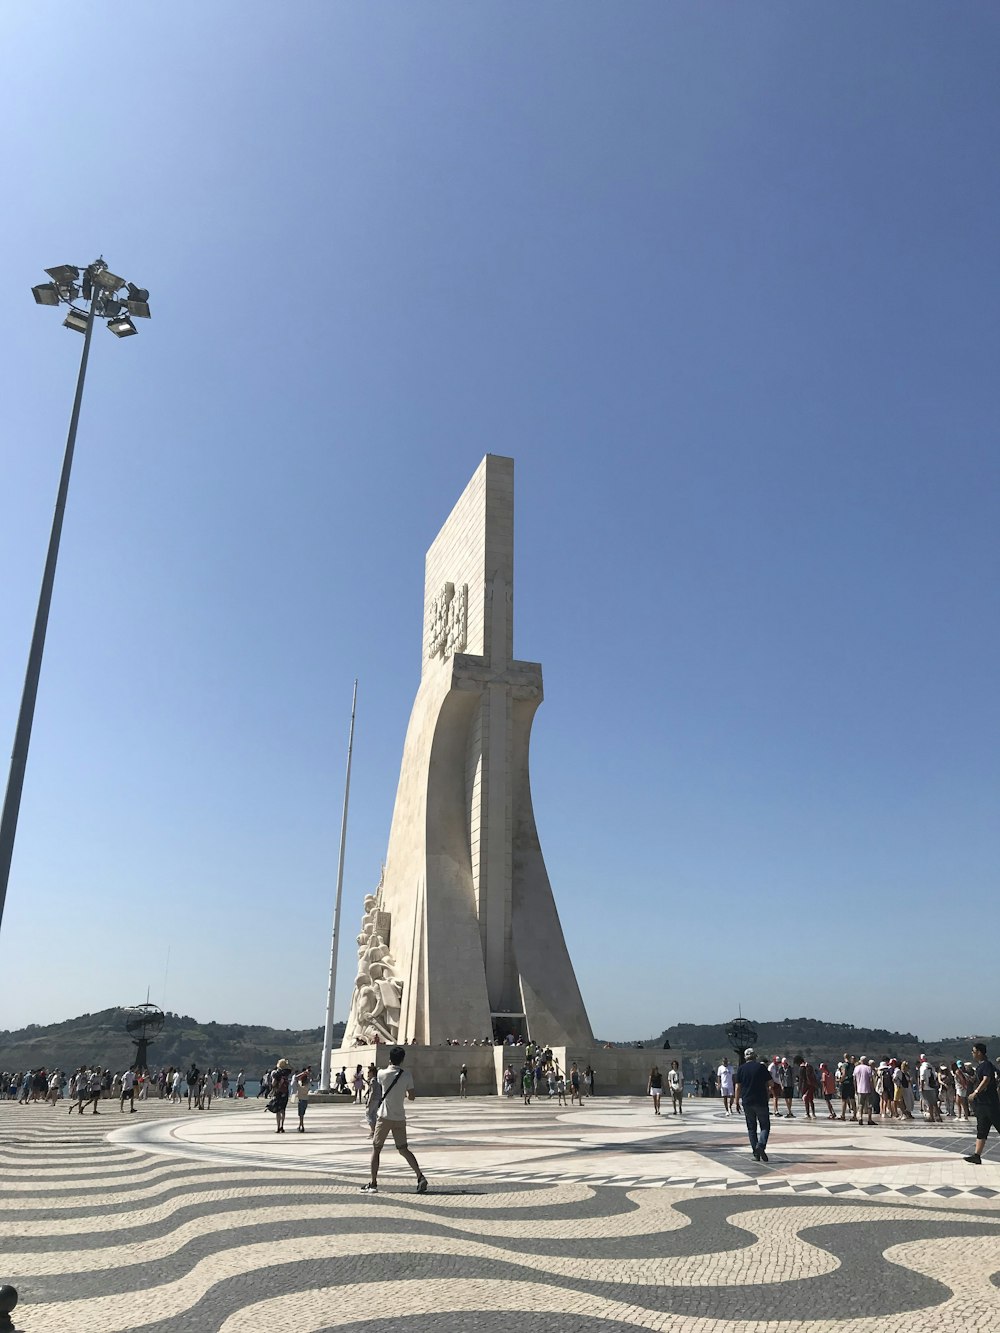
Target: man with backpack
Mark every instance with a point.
(393, 1088)
(929, 1090)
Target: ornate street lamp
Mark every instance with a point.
(143, 1023)
(90, 293)
(740, 1035)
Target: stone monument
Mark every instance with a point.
(461, 939)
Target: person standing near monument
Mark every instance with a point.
(128, 1091)
(753, 1089)
(463, 1081)
(864, 1086)
(396, 1084)
(303, 1085)
(984, 1100)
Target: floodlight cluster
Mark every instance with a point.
(108, 297)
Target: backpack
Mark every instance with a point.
(932, 1078)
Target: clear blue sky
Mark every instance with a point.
(722, 278)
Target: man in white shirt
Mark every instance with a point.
(396, 1084)
(128, 1090)
(725, 1074)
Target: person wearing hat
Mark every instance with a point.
(280, 1082)
(753, 1088)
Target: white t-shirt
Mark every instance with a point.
(128, 1080)
(726, 1084)
(393, 1103)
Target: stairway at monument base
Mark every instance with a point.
(620, 1071)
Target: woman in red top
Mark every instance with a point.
(828, 1088)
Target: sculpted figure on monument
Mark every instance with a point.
(377, 999)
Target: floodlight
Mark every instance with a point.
(122, 327)
(46, 293)
(76, 319)
(109, 281)
(63, 274)
(138, 301)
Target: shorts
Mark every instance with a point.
(987, 1117)
(385, 1127)
(865, 1101)
(847, 1092)
(303, 1105)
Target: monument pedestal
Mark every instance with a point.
(620, 1071)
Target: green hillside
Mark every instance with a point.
(704, 1044)
(101, 1039)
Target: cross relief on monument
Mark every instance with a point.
(448, 621)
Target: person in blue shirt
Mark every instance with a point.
(753, 1087)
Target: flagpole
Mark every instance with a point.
(324, 1077)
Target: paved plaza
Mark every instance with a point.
(571, 1219)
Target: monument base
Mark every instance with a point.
(619, 1071)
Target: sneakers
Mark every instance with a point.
(370, 1188)
(763, 1155)
(421, 1184)
(975, 1159)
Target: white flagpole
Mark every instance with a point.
(324, 1078)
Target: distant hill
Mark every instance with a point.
(101, 1039)
(704, 1044)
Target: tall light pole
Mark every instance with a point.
(91, 294)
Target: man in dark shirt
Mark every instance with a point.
(753, 1085)
(984, 1099)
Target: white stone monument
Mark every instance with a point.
(461, 939)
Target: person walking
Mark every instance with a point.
(654, 1088)
(726, 1085)
(807, 1085)
(786, 1080)
(396, 1085)
(828, 1087)
(280, 1081)
(984, 1101)
(845, 1081)
(575, 1091)
(675, 1082)
(752, 1090)
(128, 1091)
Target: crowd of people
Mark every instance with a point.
(539, 1075)
(864, 1088)
(90, 1085)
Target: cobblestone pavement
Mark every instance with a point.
(185, 1220)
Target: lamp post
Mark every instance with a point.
(91, 294)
